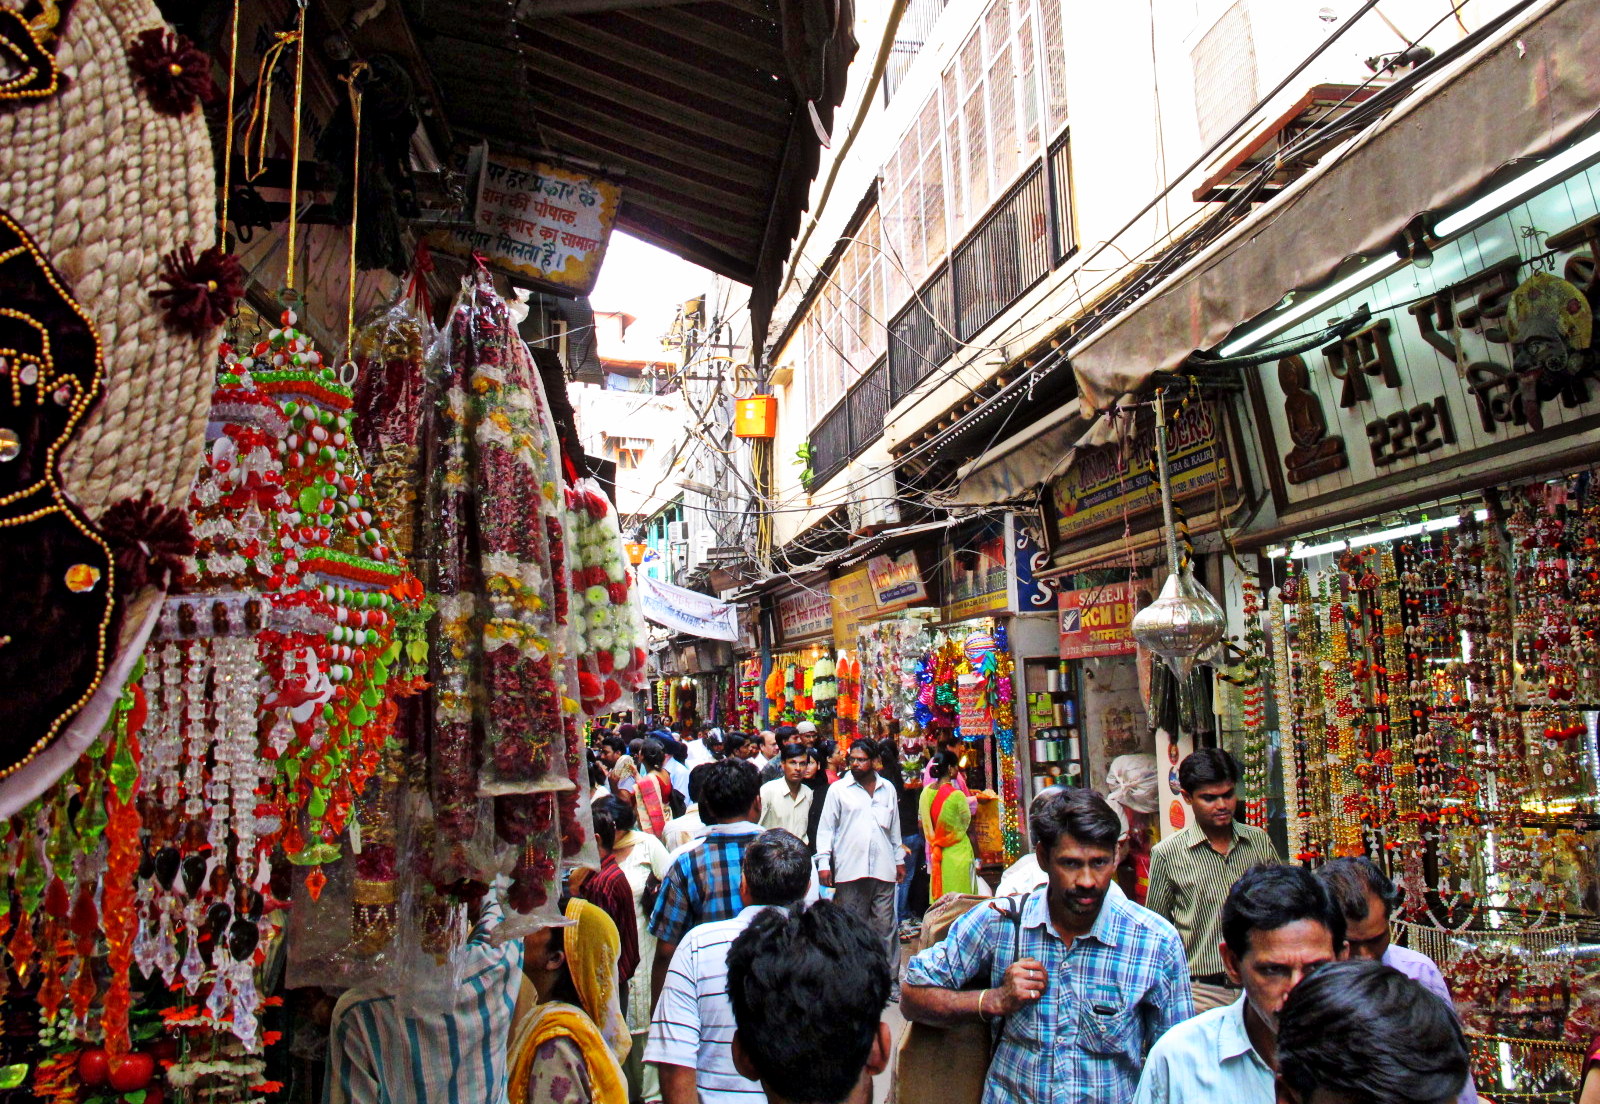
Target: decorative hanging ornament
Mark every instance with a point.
(1184, 620)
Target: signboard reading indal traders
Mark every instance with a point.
(540, 221)
(1108, 483)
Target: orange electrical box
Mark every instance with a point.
(757, 417)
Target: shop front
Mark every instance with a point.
(1432, 611)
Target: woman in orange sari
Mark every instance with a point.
(945, 817)
(653, 796)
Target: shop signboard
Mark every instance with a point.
(1028, 556)
(852, 600)
(1467, 366)
(688, 611)
(978, 569)
(896, 581)
(1113, 485)
(1096, 621)
(539, 221)
(804, 613)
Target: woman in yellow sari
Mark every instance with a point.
(569, 1048)
(945, 817)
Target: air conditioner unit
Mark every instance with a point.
(677, 532)
(875, 503)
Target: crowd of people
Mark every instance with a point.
(739, 944)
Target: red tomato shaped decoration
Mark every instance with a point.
(93, 1066)
(132, 1072)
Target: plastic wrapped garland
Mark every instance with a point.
(606, 631)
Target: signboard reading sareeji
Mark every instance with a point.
(1098, 621)
(1113, 484)
(540, 221)
(1483, 359)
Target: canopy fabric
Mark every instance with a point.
(1536, 79)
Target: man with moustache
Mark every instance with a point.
(1278, 925)
(1081, 982)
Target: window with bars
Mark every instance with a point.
(981, 134)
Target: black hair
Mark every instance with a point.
(622, 815)
(597, 772)
(943, 764)
(627, 733)
(1266, 898)
(727, 789)
(866, 744)
(634, 745)
(1366, 1033)
(733, 741)
(654, 753)
(777, 868)
(1207, 767)
(1350, 879)
(605, 821)
(1082, 814)
(616, 744)
(785, 732)
(794, 751)
(696, 778)
(808, 989)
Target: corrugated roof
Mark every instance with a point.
(704, 107)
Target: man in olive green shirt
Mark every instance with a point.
(1192, 871)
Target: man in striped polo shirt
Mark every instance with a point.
(691, 1033)
(1192, 871)
(440, 1047)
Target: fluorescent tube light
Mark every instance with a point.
(1432, 525)
(1514, 190)
(1366, 274)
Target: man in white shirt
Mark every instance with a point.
(691, 1032)
(683, 830)
(786, 801)
(858, 843)
(699, 750)
(766, 749)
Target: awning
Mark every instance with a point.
(1529, 91)
(1012, 470)
(711, 108)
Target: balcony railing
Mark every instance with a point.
(1012, 249)
(1004, 256)
(922, 336)
(854, 423)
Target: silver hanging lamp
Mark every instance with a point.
(1184, 620)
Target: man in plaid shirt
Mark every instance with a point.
(703, 883)
(1081, 982)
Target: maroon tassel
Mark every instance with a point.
(201, 291)
(148, 543)
(172, 71)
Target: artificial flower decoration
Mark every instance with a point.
(171, 70)
(201, 291)
(148, 542)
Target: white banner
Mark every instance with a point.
(688, 611)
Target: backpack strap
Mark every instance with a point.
(1013, 913)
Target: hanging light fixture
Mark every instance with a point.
(1184, 620)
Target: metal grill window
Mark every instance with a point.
(850, 426)
(1004, 256)
(921, 337)
(1061, 199)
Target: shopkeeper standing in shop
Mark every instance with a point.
(1192, 871)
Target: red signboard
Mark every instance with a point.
(1094, 622)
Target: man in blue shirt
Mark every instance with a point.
(1278, 924)
(1082, 983)
(703, 882)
